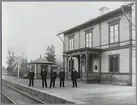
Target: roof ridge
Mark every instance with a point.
(97, 17)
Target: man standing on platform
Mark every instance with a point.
(44, 77)
(31, 78)
(53, 76)
(62, 77)
(74, 77)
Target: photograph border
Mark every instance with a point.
(59, 1)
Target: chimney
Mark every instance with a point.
(103, 10)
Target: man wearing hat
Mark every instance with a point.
(62, 77)
(31, 77)
(53, 76)
(74, 77)
(44, 77)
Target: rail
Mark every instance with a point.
(33, 98)
(8, 97)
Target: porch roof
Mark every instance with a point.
(83, 49)
(41, 61)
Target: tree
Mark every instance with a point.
(23, 67)
(12, 61)
(50, 54)
(59, 64)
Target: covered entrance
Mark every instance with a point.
(87, 63)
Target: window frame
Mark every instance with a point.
(89, 41)
(69, 38)
(113, 23)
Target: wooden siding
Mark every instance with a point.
(124, 60)
(79, 35)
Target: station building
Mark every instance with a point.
(102, 49)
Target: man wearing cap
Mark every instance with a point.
(62, 77)
(74, 77)
(44, 77)
(31, 78)
(53, 76)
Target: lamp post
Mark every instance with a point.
(19, 64)
(18, 69)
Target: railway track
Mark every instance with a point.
(18, 97)
(6, 99)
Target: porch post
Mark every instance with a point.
(81, 66)
(64, 62)
(67, 67)
(35, 70)
(87, 65)
(71, 65)
(100, 64)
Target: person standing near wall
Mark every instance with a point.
(74, 77)
(31, 78)
(44, 77)
(53, 76)
(62, 77)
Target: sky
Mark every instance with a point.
(30, 27)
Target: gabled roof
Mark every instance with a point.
(41, 61)
(97, 19)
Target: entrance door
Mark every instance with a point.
(114, 63)
(71, 66)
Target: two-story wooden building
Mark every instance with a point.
(102, 49)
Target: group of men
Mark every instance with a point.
(53, 76)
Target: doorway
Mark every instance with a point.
(114, 63)
(45, 67)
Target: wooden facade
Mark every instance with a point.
(98, 55)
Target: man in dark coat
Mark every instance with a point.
(74, 77)
(62, 77)
(31, 77)
(53, 76)
(44, 77)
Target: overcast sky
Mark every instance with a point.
(29, 27)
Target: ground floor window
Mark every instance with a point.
(114, 63)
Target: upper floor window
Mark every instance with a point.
(89, 39)
(71, 43)
(114, 33)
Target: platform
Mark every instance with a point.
(85, 93)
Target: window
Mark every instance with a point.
(114, 63)
(114, 33)
(89, 39)
(71, 43)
